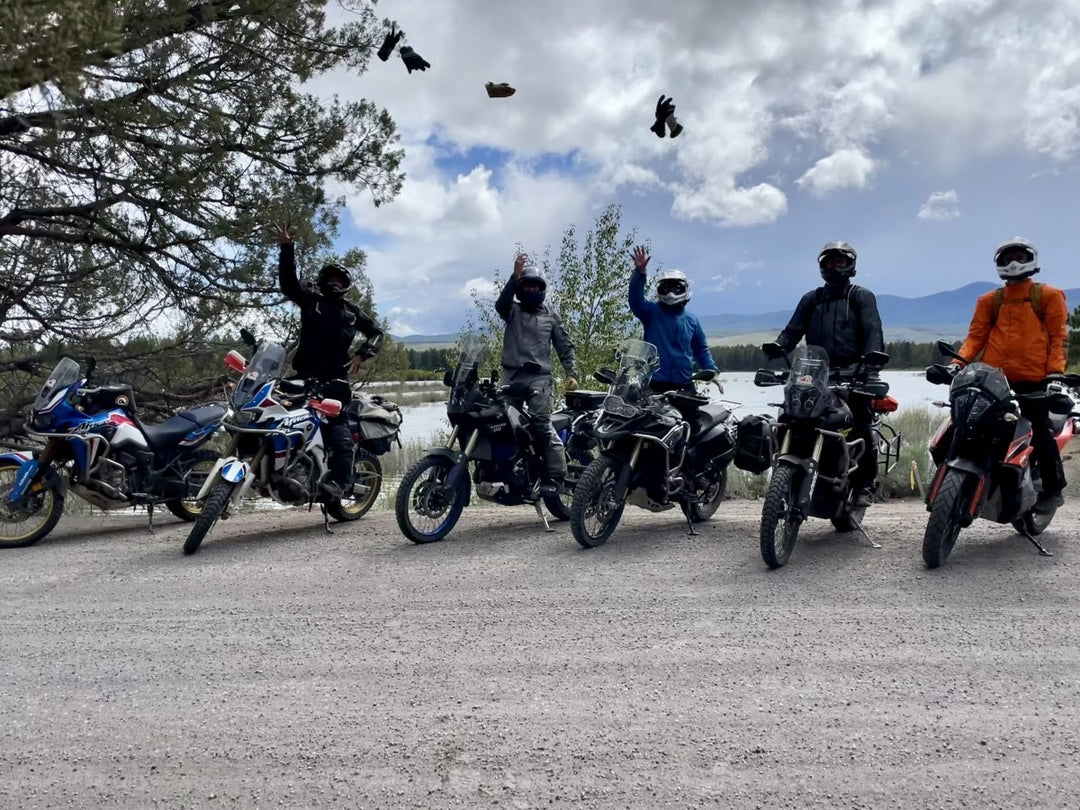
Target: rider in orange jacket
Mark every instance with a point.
(1023, 329)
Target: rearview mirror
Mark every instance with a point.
(945, 348)
(605, 375)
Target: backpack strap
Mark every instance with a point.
(1035, 299)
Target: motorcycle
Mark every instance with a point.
(97, 448)
(277, 447)
(983, 452)
(656, 450)
(815, 459)
(492, 426)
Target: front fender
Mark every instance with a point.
(460, 462)
(794, 461)
(230, 469)
(28, 467)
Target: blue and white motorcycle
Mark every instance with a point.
(277, 447)
(97, 448)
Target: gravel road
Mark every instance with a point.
(506, 667)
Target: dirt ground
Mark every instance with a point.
(507, 667)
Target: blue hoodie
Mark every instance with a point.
(676, 334)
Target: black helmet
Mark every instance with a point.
(532, 277)
(334, 281)
(836, 261)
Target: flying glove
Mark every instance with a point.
(664, 108)
(413, 60)
(665, 116)
(389, 44)
(500, 90)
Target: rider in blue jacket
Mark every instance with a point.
(676, 333)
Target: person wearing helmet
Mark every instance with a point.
(328, 326)
(1022, 328)
(531, 330)
(842, 318)
(677, 334)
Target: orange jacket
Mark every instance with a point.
(1021, 345)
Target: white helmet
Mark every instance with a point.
(673, 288)
(1016, 259)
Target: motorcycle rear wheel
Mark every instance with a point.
(367, 475)
(943, 527)
(41, 512)
(778, 532)
(1033, 523)
(425, 512)
(708, 497)
(201, 463)
(594, 513)
(212, 509)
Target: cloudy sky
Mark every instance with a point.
(922, 131)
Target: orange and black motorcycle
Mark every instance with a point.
(983, 452)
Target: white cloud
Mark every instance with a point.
(941, 206)
(846, 168)
(762, 89)
(722, 283)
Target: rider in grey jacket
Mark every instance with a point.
(531, 330)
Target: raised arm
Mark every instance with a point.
(504, 304)
(636, 294)
(287, 278)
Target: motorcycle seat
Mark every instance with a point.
(292, 388)
(561, 421)
(169, 433)
(706, 416)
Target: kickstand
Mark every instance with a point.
(543, 517)
(1042, 550)
(325, 518)
(862, 531)
(150, 517)
(687, 512)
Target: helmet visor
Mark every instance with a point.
(836, 260)
(671, 286)
(1013, 253)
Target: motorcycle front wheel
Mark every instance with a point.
(425, 511)
(200, 465)
(779, 531)
(595, 512)
(943, 527)
(367, 482)
(212, 509)
(26, 523)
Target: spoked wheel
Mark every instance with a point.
(367, 482)
(595, 512)
(212, 509)
(779, 530)
(425, 511)
(25, 523)
(201, 464)
(710, 492)
(560, 505)
(943, 527)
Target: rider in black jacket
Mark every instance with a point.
(842, 318)
(328, 327)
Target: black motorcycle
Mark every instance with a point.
(815, 459)
(657, 450)
(983, 452)
(491, 426)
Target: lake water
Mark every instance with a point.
(909, 388)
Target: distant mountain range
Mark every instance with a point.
(940, 315)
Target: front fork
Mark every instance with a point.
(25, 482)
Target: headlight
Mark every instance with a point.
(616, 406)
(243, 418)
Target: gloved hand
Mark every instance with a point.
(389, 44)
(571, 383)
(664, 108)
(707, 374)
(413, 60)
